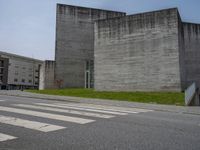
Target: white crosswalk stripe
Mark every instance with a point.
(81, 109)
(107, 108)
(5, 137)
(46, 115)
(66, 111)
(44, 127)
(84, 109)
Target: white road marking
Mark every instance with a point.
(84, 109)
(2, 100)
(108, 108)
(65, 111)
(46, 115)
(44, 127)
(5, 137)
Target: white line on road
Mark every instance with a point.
(44, 127)
(5, 137)
(65, 111)
(2, 100)
(84, 109)
(108, 108)
(46, 115)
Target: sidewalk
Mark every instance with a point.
(157, 107)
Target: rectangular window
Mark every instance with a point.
(1, 63)
(1, 71)
(87, 65)
(1, 78)
(30, 81)
(15, 80)
(23, 80)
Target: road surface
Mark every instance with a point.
(39, 124)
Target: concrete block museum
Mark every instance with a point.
(112, 51)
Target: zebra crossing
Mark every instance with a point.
(44, 127)
(84, 111)
(5, 137)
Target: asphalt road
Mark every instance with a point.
(38, 124)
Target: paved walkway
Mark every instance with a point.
(169, 108)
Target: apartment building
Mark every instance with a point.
(18, 72)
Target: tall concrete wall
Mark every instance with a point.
(181, 54)
(138, 52)
(75, 42)
(190, 53)
(47, 70)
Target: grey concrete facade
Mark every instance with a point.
(47, 79)
(75, 42)
(190, 53)
(153, 51)
(138, 52)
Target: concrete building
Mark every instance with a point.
(152, 51)
(47, 75)
(112, 51)
(74, 54)
(18, 72)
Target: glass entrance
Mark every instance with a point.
(87, 79)
(89, 69)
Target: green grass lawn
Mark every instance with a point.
(169, 98)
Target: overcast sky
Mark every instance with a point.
(27, 27)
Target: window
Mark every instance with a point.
(15, 80)
(16, 66)
(36, 70)
(36, 83)
(1, 63)
(23, 80)
(30, 75)
(1, 78)
(30, 81)
(1, 71)
(87, 65)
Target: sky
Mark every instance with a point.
(27, 27)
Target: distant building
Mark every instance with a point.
(18, 72)
(112, 51)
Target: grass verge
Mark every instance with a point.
(169, 98)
